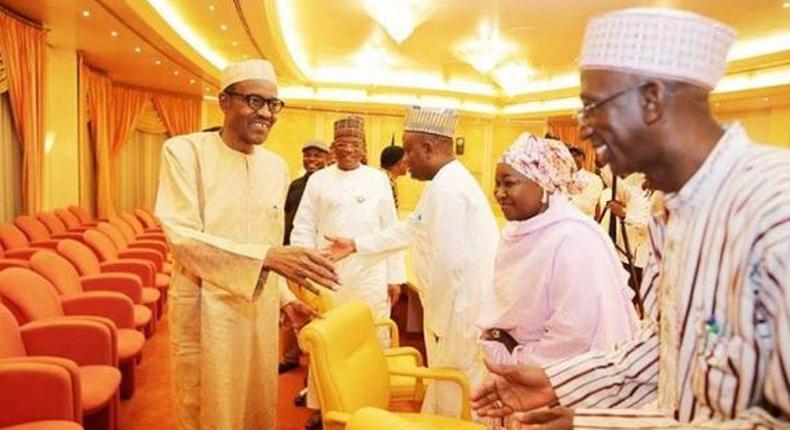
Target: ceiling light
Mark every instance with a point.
(234, 43)
(512, 77)
(175, 73)
(157, 61)
(211, 7)
(223, 27)
(245, 56)
(751, 48)
(192, 82)
(114, 33)
(486, 50)
(786, 5)
(86, 13)
(399, 18)
(166, 11)
(138, 49)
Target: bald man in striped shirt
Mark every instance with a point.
(714, 348)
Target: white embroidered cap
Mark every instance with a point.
(431, 120)
(247, 70)
(665, 43)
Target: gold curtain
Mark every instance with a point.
(10, 164)
(3, 77)
(22, 49)
(180, 114)
(567, 130)
(128, 104)
(95, 102)
(138, 169)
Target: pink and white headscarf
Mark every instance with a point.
(546, 162)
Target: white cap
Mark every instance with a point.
(431, 120)
(664, 43)
(247, 70)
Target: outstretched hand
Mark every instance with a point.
(339, 248)
(300, 265)
(512, 389)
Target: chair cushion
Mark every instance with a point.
(167, 268)
(142, 315)
(99, 384)
(150, 295)
(130, 343)
(162, 280)
(441, 422)
(46, 425)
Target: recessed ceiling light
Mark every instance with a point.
(114, 33)
(192, 81)
(157, 61)
(786, 5)
(208, 89)
(765, 99)
(211, 7)
(234, 43)
(138, 49)
(86, 13)
(175, 73)
(223, 27)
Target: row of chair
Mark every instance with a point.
(78, 297)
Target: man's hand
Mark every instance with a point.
(558, 418)
(340, 248)
(393, 291)
(617, 209)
(299, 314)
(512, 389)
(300, 264)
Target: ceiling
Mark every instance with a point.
(489, 57)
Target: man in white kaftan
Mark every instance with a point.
(220, 202)
(455, 237)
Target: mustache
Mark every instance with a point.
(261, 118)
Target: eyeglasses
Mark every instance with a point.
(583, 114)
(256, 102)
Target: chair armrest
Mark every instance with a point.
(144, 269)
(39, 388)
(48, 244)
(393, 328)
(144, 254)
(83, 340)
(114, 306)
(71, 235)
(155, 230)
(5, 263)
(442, 374)
(159, 237)
(336, 417)
(23, 253)
(153, 245)
(405, 351)
(124, 283)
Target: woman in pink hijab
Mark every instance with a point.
(559, 288)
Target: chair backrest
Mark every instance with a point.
(379, 419)
(12, 345)
(115, 235)
(34, 229)
(28, 295)
(58, 271)
(349, 367)
(52, 222)
(82, 214)
(68, 218)
(146, 218)
(123, 227)
(80, 256)
(12, 237)
(134, 223)
(101, 245)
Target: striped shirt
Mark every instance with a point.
(716, 341)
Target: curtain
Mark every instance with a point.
(138, 170)
(22, 49)
(567, 130)
(128, 104)
(10, 164)
(180, 114)
(3, 77)
(95, 101)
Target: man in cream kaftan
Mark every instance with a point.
(220, 202)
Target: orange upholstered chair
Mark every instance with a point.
(17, 245)
(31, 297)
(117, 238)
(148, 219)
(11, 262)
(132, 241)
(39, 393)
(105, 249)
(37, 231)
(55, 225)
(67, 281)
(140, 230)
(88, 343)
(85, 218)
(71, 220)
(88, 266)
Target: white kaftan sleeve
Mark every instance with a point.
(396, 267)
(231, 266)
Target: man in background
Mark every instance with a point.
(393, 161)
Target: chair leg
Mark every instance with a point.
(128, 380)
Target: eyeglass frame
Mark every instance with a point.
(583, 114)
(266, 101)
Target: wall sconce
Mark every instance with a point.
(459, 145)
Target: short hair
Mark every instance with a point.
(391, 155)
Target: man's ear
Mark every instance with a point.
(654, 100)
(224, 102)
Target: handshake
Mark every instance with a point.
(302, 265)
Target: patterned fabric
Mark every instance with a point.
(437, 121)
(665, 43)
(546, 162)
(715, 344)
(350, 126)
(246, 70)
